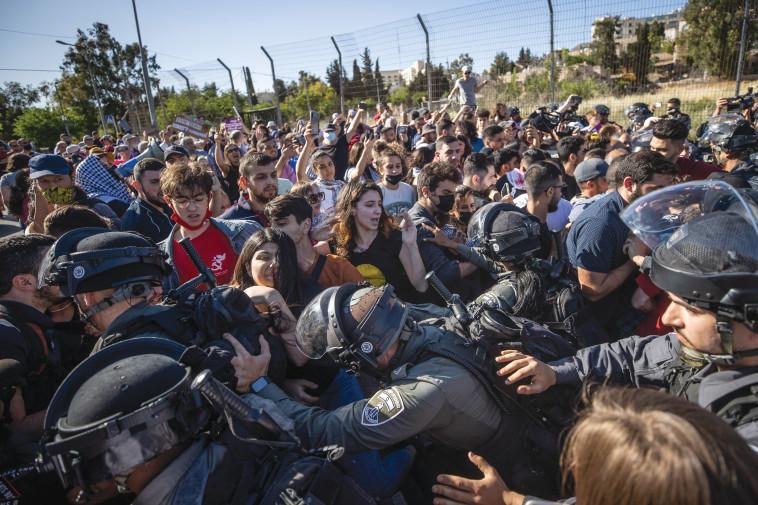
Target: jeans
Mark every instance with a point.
(378, 476)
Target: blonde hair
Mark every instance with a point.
(636, 446)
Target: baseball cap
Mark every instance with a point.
(589, 169)
(174, 150)
(73, 149)
(87, 137)
(271, 124)
(428, 128)
(423, 112)
(466, 68)
(48, 164)
(329, 127)
(335, 115)
(128, 136)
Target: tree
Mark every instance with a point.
(456, 67)
(354, 88)
(333, 76)
(378, 79)
(14, 99)
(501, 65)
(638, 54)
(367, 72)
(117, 70)
(524, 58)
(657, 36)
(713, 34)
(43, 126)
(418, 87)
(603, 45)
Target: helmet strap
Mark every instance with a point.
(724, 329)
(125, 292)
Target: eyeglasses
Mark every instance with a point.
(314, 198)
(235, 150)
(183, 203)
(561, 186)
(466, 73)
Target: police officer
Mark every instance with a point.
(708, 269)
(732, 140)
(429, 388)
(113, 276)
(133, 422)
(531, 287)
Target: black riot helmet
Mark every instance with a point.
(92, 259)
(507, 233)
(120, 408)
(728, 133)
(355, 324)
(704, 236)
(602, 110)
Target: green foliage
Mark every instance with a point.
(419, 88)
(713, 34)
(209, 104)
(43, 126)
(657, 36)
(116, 69)
(637, 57)
(501, 65)
(525, 57)
(578, 84)
(323, 99)
(14, 99)
(457, 64)
(537, 86)
(572, 60)
(603, 45)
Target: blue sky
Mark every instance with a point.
(191, 35)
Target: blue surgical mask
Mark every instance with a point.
(330, 136)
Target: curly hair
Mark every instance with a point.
(346, 229)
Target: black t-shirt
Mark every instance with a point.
(339, 153)
(230, 182)
(380, 264)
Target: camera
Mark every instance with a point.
(363, 106)
(737, 104)
(300, 139)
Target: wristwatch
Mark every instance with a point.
(259, 384)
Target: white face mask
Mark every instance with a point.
(330, 136)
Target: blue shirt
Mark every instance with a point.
(477, 145)
(595, 243)
(242, 211)
(147, 220)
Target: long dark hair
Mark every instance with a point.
(287, 279)
(530, 293)
(347, 200)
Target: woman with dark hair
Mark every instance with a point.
(368, 239)
(267, 268)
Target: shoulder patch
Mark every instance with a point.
(382, 407)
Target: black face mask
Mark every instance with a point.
(393, 179)
(465, 217)
(446, 203)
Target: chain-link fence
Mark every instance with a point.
(614, 53)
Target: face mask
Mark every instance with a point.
(393, 179)
(58, 196)
(465, 217)
(446, 203)
(330, 136)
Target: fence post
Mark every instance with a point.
(743, 43)
(251, 100)
(428, 61)
(552, 53)
(231, 79)
(342, 85)
(189, 90)
(276, 95)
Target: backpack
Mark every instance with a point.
(567, 313)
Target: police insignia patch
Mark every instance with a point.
(382, 407)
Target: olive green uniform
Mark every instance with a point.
(426, 395)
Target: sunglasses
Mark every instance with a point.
(314, 198)
(235, 150)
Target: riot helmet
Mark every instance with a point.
(118, 409)
(704, 237)
(602, 110)
(507, 233)
(355, 324)
(93, 259)
(729, 132)
(641, 141)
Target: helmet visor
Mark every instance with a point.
(313, 336)
(653, 218)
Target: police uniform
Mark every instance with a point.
(433, 396)
(654, 361)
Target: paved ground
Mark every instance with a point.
(9, 226)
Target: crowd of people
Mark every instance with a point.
(428, 292)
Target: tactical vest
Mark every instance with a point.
(525, 447)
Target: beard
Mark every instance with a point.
(552, 206)
(636, 194)
(260, 197)
(156, 200)
(47, 296)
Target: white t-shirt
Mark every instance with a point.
(396, 201)
(557, 220)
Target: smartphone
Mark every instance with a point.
(300, 139)
(657, 104)
(363, 105)
(401, 130)
(314, 121)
